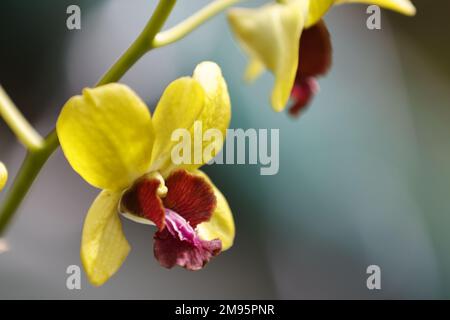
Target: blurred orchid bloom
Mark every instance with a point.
(315, 57)
(3, 176)
(109, 138)
(271, 36)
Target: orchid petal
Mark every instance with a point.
(180, 105)
(271, 34)
(195, 104)
(106, 135)
(103, 244)
(142, 203)
(317, 9)
(173, 248)
(191, 196)
(254, 69)
(221, 224)
(215, 115)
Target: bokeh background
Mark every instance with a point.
(364, 174)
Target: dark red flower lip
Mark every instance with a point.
(315, 56)
(143, 201)
(315, 51)
(179, 244)
(302, 94)
(189, 201)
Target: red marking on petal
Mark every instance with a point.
(302, 93)
(314, 60)
(190, 196)
(142, 200)
(315, 51)
(178, 244)
(180, 228)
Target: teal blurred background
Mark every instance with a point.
(364, 172)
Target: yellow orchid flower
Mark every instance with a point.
(3, 176)
(109, 138)
(271, 34)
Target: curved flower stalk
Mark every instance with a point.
(3, 176)
(109, 137)
(271, 36)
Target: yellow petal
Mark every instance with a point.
(178, 108)
(317, 9)
(103, 244)
(106, 135)
(194, 105)
(221, 224)
(402, 6)
(271, 35)
(253, 70)
(215, 115)
(3, 175)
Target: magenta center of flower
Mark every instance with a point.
(180, 228)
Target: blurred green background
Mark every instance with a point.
(364, 172)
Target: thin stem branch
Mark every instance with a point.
(37, 157)
(33, 163)
(185, 27)
(26, 134)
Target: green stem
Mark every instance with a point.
(185, 27)
(27, 174)
(141, 45)
(18, 124)
(37, 157)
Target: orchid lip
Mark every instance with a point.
(161, 193)
(180, 228)
(188, 201)
(180, 244)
